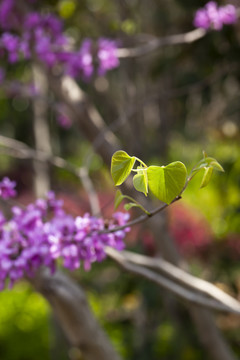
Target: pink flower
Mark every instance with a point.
(7, 188)
(212, 16)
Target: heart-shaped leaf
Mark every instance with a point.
(121, 166)
(167, 182)
(206, 176)
(118, 199)
(140, 181)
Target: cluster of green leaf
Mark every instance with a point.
(166, 183)
(219, 202)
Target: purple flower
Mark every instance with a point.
(228, 14)
(7, 188)
(212, 16)
(11, 44)
(81, 62)
(6, 9)
(43, 37)
(52, 24)
(201, 19)
(54, 205)
(32, 20)
(42, 233)
(107, 56)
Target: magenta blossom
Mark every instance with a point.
(42, 234)
(107, 55)
(212, 16)
(7, 188)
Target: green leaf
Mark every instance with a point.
(130, 205)
(215, 165)
(121, 166)
(167, 182)
(134, 204)
(207, 162)
(206, 176)
(140, 181)
(118, 199)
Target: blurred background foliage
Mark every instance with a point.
(166, 106)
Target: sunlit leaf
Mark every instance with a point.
(207, 162)
(140, 182)
(118, 199)
(215, 164)
(167, 182)
(206, 176)
(121, 166)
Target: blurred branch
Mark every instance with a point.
(70, 306)
(85, 114)
(157, 43)
(191, 296)
(20, 150)
(41, 130)
(183, 278)
(157, 94)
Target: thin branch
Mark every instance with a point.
(157, 43)
(185, 294)
(142, 218)
(85, 114)
(41, 130)
(181, 277)
(20, 150)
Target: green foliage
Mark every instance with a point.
(66, 8)
(206, 176)
(24, 330)
(140, 181)
(118, 199)
(208, 164)
(121, 166)
(165, 182)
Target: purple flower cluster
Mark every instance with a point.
(43, 233)
(212, 16)
(7, 15)
(7, 188)
(107, 55)
(42, 35)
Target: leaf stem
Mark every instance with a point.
(141, 162)
(141, 218)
